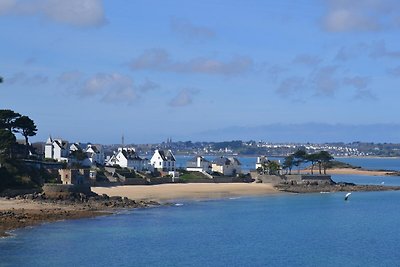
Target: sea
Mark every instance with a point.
(319, 229)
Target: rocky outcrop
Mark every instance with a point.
(334, 187)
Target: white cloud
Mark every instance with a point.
(106, 87)
(7, 5)
(80, 13)
(27, 80)
(361, 15)
(357, 82)
(189, 31)
(308, 60)
(290, 86)
(325, 82)
(109, 86)
(394, 71)
(160, 60)
(379, 50)
(183, 98)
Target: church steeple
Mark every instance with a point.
(49, 140)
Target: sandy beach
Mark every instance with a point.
(357, 172)
(167, 192)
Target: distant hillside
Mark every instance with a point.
(306, 132)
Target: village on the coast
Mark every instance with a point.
(78, 165)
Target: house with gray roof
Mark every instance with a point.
(198, 164)
(163, 160)
(226, 166)
(128, 158)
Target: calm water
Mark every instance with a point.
(284, 230)
(374, 163)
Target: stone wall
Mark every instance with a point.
(293, 178)
(51, 189)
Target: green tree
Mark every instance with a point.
(313, 158)
(26, 127)
(288, 163)
(300, 156)
(273, 167)
(7, 119)
(323, 158)
(7, 141)
(79, 155)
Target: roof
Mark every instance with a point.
(221, 161)
(166, 155)
(226, 161)
(130, 155)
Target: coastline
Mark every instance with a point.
(30, 210)
(192, 191)
(25, 211)
(350, 171)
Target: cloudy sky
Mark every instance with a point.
(92, 70)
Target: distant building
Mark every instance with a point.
(262, 160)
(56, 149)
(74, 176)
(226, 166)
(127, 158)
(163, 160)
(199, 164)
(95, 154)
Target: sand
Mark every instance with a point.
(357, 172)
(168, 192)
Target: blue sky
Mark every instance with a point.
(91, 70)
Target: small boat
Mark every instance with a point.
(346, 197)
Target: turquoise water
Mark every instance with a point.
(282, 230)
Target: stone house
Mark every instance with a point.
(226, 166)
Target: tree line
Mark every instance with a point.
(300, 157)
(12, 123)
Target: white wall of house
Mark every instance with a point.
(202, 165)
(48, 151)
(122, 161)
(95, 154)
(161, 164)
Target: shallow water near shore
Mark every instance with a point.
(278, 230)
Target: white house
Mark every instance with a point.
(163, 160)
(260, 161)
(127, 158)
(56, 149)
(226, 166)
(198, 164)
(95, 154)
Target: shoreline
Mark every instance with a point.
(190, 191)
(28, 210)
(350, 171)
(24, 211)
